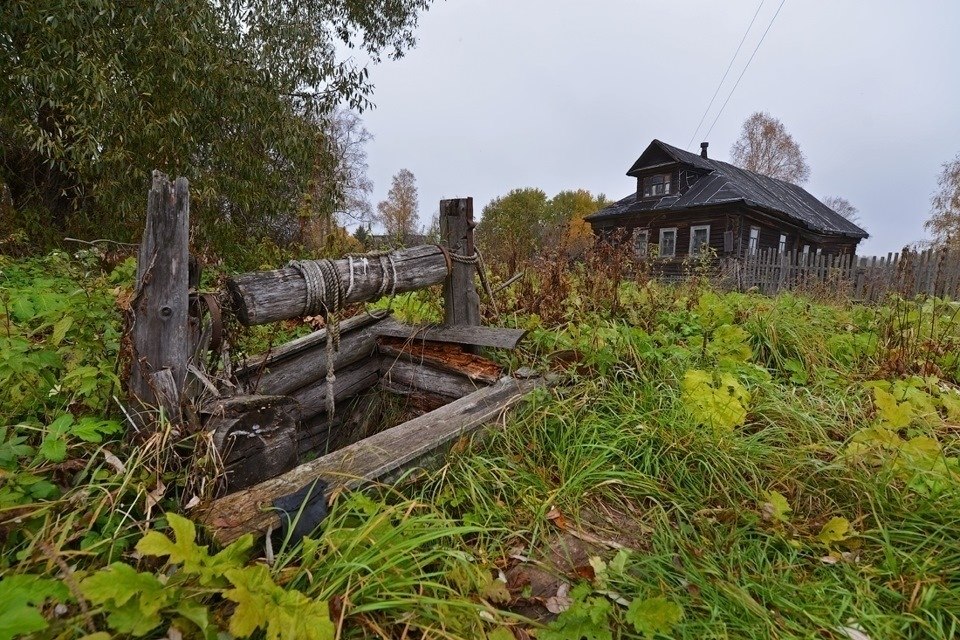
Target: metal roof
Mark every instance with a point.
(724, 183)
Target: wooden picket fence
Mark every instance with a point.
(933, 272)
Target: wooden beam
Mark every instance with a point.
(158, 322)
(309, 364)
(440, 355)
(354, 379)
(369, 459)
(480, 336)
(403, 375)
(461, 304)
(289, 349)
(268, 296)
(256, 437)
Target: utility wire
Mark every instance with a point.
(729, 66)
(737, 83)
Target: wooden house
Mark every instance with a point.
(684, 202)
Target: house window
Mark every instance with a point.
(754, 244)
(819, 250)
(658, 185)
(699, 238)
(782, 247)
(668, 243)
(640, 238)
(806, 250)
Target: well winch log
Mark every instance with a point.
(281, 294)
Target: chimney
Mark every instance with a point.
(703, 149)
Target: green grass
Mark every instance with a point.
(681, 497)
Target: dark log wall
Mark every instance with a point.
(735, 218)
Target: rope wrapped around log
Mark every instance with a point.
(282, 294)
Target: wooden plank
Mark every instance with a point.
(443, 356)
(349, 382)
(309, 365)
(269, 296)
(369, 459)
(404, 376)
(461, 304)
(158, 319)
(497, 337)
(304, 343)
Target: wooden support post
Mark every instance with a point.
(158, 322)
(461, 304)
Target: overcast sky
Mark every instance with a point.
(565, 94)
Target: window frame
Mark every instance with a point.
(693, 235)
(782, 245)
(667, 185)
(753, 244)
(637, 233)
(660, 246)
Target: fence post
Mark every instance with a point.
(461, 304)
(158, 323)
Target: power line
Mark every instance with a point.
(729, 66)
(747, 66)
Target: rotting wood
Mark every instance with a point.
(441, 355)
(369, 459)
(269, 296)
(349, 382)
(400, 375)
(158, 322)
(461, 304)
(309, 365)
(496, 337)
(256, 436)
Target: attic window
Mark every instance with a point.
(658, 185)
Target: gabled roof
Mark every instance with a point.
(725, 183)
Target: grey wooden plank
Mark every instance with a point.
(366, 460)
(480, 336)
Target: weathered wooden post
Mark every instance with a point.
(158, 321)
(461, 303)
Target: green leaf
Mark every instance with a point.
(134, 600)
(890, 412)
(282, 615)
(61, 425)
(776, 506)
(587, 618)
(184, 551)
(835, 530)
(60, 330)
(654, 615)
(717, 402)
(53, 449)
(18, 596)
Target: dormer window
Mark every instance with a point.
(657, 185)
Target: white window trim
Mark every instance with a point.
(693, 231)
(753, 249)
(667, 230)
(782, 245)
(646, 241)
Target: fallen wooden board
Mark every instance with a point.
(366, 460)
(459, 334)
(440, 355)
